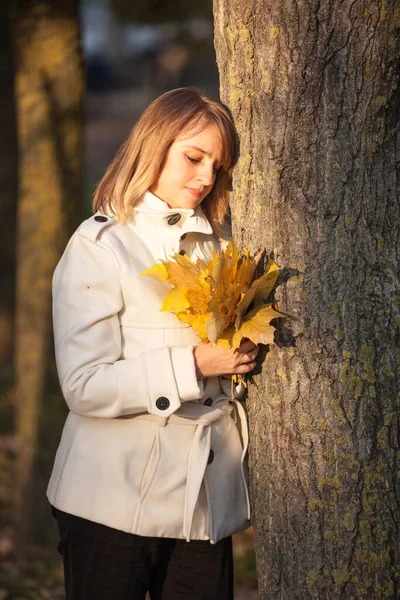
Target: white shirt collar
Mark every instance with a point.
(151, 208)
(154, 201)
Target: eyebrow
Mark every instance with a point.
(203, 151)
(199, 149)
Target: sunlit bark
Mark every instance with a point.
(313, 88)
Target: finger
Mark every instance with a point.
(243, 359)
(245, 346)
(245, 368)
(254, 352)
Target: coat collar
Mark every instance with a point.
(151, 212)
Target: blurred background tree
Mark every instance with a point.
(49, 88)
(8, 205)
(8, 211)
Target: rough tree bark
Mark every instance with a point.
(49, 95)
(313, 88)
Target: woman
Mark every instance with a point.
(152, 452)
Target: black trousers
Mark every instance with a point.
(102, 563)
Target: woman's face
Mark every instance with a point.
(190, 168)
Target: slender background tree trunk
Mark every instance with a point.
(313, 88)
(8, 210)
(49, 95)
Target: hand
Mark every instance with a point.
(211, 359)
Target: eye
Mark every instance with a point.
(216, 169)
(192, 160)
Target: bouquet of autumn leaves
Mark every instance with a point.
(220, 298)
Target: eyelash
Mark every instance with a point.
(194, 161)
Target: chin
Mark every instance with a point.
(188, 202)
(194, 205)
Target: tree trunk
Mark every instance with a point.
(8, 209)
(313, 88)
(49, 95)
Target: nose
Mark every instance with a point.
(207, 174)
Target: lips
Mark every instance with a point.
(195, 193)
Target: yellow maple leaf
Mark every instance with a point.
(259, 291)
(183, 272)
(158, 272)
(213, 296)
(224, 342)
(256, 326)
(198, 322)
(175, 301)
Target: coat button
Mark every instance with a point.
(210, 457)
(174, 219)
(182, 253)
(100, 219)
(208, 402)
(183, 236)
(162, 403)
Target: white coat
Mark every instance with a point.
(146, 448)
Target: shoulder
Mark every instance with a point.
(106, 234)
(103, 232)
(92, 228)
(94, 240)
(89, 251)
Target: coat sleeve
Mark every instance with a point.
(95, 380)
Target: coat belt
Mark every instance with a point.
(203, 417)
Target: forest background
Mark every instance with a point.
(313, 86)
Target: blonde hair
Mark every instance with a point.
(140, 159)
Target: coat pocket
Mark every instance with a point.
(151, 469)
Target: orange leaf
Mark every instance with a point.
(256, 326)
